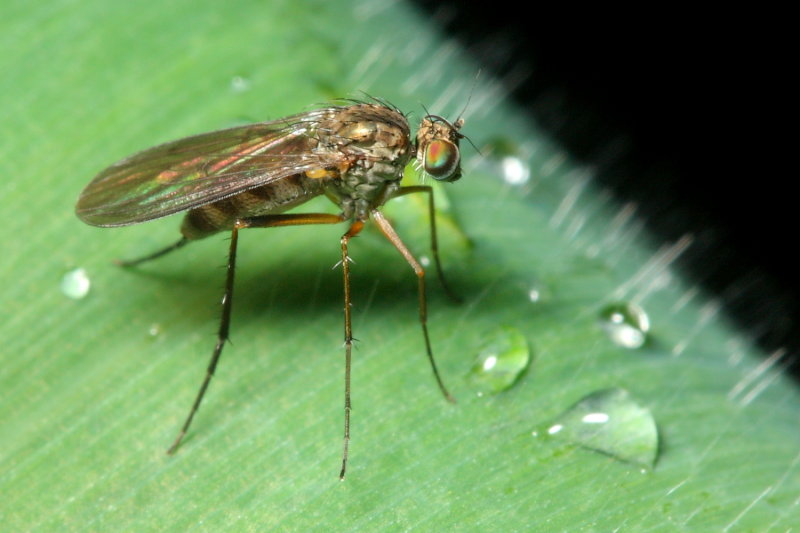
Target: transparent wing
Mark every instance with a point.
(201, 169)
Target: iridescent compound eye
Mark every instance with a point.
(442, 160)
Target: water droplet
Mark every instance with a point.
(515, 170)
(240, 84)
(626, 324)
(509, 160)
(155, 330)
(503, 357)
(425, 261)
(76, 284)
(611, 422)
(538, 292)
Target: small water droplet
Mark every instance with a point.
(425, 261)
(76, 284)
(611, 422)
(538, 292)
(555, 428)
(508, 159)
(503, 357)
(626, 324)
(240, 84)
(515, 170)
(155, 330)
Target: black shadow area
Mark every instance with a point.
(684, 112)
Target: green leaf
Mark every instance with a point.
(94, 388)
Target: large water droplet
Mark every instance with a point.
(76, 284)
(626, 324)
(502, 359)
(611, 422)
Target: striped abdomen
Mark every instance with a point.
(272, 198)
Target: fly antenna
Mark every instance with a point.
(469, 98)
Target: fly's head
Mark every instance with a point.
(437, 148)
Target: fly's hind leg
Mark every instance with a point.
(266, 221)
(155, 255)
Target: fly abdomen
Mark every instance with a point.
(273, 198)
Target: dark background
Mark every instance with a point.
(685, 114)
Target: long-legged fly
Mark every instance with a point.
(248, 176)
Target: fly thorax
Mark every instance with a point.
(375, 144)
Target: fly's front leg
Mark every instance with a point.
(267, 221)
(389, 232)
(434, 241)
